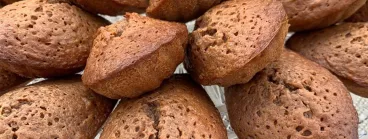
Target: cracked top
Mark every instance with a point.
(112, 7)
(292, 98)
(8, 80)
(45, 38)
(312, 14)
(342, 49)
(231, 34)
(53, 109)
(178, 109)
(179, 10)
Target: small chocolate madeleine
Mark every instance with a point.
(179, 10)
(342, 49)
(293, 98)
(63, 109)
(9, 80)
(235, 40)
(45, 38)
(179, 109)
(134, 56)
(361, 15)
(316, 14)
(112, 7)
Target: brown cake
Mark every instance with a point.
(9, 80)
(316, 14)
(134, 56)
(63, 109)
(179, 10)
(235, 40)
(5, 2)
(178, 109)
(293, 98)
(45, 38)
(361, 15)
(342, 49)
(112, 7)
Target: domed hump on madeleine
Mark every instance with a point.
(184, 10)
(45, 38)
(134, 56)
(235, 40)
(61, 108)
(112, 7)
(178, 109)
(9, 80)
(317, 14)
(342, 49)
(292, 98)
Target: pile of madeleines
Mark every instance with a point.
(300, 91)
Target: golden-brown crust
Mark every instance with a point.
(9, 80)
(231, 37)
(112, 7)
(45, 38)
(292, 98)
(361, 15)
(183, 10)
(61, 108)
(178, 109)
(342, 49)
(134, 56)
(316, 14)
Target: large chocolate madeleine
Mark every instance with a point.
(293, 98)
(62, 108)
(317, 14)
(134, 56)
(342, 49)
(182, 10)
(179, 109)
(45, 38)
(235, 40)
(112, 7)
